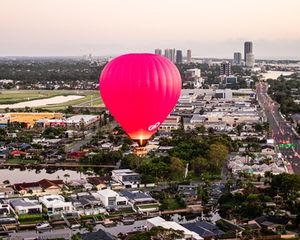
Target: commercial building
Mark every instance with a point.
(250, 61)
(237, 58)
(178, 56)
(230, 81)
(78, 121)
(225, 68)
(170, 123)
(29, 119)
(158, 51)
(248, 48)
(188, 56)
(170, 54)
(194, 75)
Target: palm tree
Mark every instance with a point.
(7, 182)
(66, 176)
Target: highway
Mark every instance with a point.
(281, 130)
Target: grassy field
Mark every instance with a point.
(20, 161)
(16, 96)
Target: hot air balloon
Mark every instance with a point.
(140, 90)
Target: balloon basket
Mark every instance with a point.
(140, 151)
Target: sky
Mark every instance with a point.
(210, 28)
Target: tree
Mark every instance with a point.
(177, 168)
(76, 236)
(199, 165)
(200, 128)
(66, 176)
(217, 154)
(239, 128)
(6, 182)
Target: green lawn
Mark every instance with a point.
(30, 218)
(121, 212)
(20, 161)
(171, 204)
(148, 206)
(16, 96)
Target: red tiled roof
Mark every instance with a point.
(17, 152)
(98, 180)
(44, 183)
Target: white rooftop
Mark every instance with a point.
(79, 118)
(158, 221)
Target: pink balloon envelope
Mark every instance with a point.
(140, 90)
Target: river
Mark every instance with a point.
(18, 176)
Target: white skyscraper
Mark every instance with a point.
(250, 60)
(171, 54)
(158, 51)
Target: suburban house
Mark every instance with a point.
(272, 223)
(25, 206)
(84, 201)
(55, 204)
(138, 197)
(18, 153)
(204, 229)
(126, 177)
(160, 222)
(41, 187)
(4, 210)
(99, 182)
(4, 152)
(111, 199)
(188, 192)
(100, 234)
(6, 191)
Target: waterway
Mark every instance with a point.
(42, 102)
(30, 175)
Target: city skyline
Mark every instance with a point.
(209, 29)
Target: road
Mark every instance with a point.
(281, 130)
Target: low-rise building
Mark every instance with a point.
(41, 187)
(82, 121)
(138, 197)
(170, 123)
(205, 229)
(111, 199)
(160, 222)
(4, 210)
(84, 201)
(99, 182)
(25, 206)
(5, 191)
(126, 177)
(54, 204)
